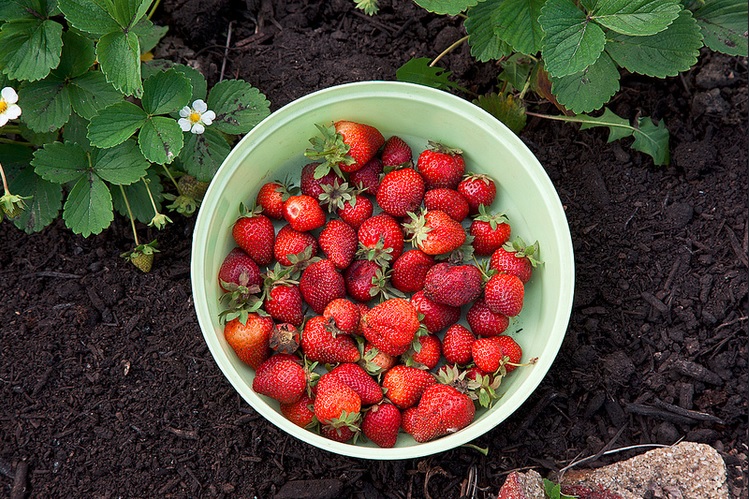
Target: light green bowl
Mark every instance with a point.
(274, 148)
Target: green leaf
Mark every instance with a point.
(653, 140)
(60, 162)
(91, 92)
(485, 44)
(419, 71)
(636, 17)
(137, 196)
(590, 89)
(238, 106)
(127, 13)
(90, 16)
(506, 108)
(199, 83)
(30, 48)
(115, 124)
(723, 24)
(88, 209)
(36, 138)
(26, 9)
(166, 92)
(571, 42)
(120, 165)
(44, 205)
(204, 153)
(12, 11)
(664, 54)
(149, 34)
(160, 140)
(75, 131)
(517, 24)
(516, 70)
(150, 68)
(449, 7)
(619, 127)
(119, 57)
(46, 104)
(78, 55)
(15, 158)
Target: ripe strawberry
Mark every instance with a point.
(382, 235)
(456, 345)
(303, 213)
(282, 378)
(404, 385)
(410, 269)
(448, 200)
(271, 197)
(516, 258)
(290, 242)
(484, 322)
(435, 233)
(478, 189)
(356, 211)
(504, 294)
(341, 434)
(358, 380)
(238, 269)
(300, 412)
(311, 186)
(425, 352)
(339, 242)
(374, 361)
(487, 354)
(441, 166)
(437, 316)
(283, 302)
(255, 234)
(345, 313)
(344, 147)
(454, 285)
(489, 232)
(511, 350)
(336, 404)
(284, 338)
(250, 340)
(361, 278)
(396, 153)
(381, 424)
(408, 419)
(400, 192)
(391, 325)
(321, 345)
(442, 410)
(368, 177)
(320, 284)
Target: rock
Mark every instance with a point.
(518, 485)
(688, 470)
(710, 102)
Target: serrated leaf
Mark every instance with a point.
(199, 83)
(88, 209)
(571, 41)
(636, 17)
(203, 154)
(652, 140)
(166, 92)
(449, 7)
(149, 34)
(60, 162)
(15, 158)
(664, 54)
(516, 70)
(26, 9)
(506, 108)
(37, 138)
(619, 127)
(419, 71)
(160, 140)
(485, 44)
(137, 196)
(238, 106)
(120, 165)
(30, 48)
(44, 205)
(590, 89)
(12, 11)
(150, 68)
(115, 124)
(91, 92)
(517, 24)
(75, 131)
(78, 55)
(119, 58)
(90, 16)
(724, 25)
(46, 104)
(127, 13)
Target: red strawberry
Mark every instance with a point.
(435, 233)
(290, 242)
(255, 234)
(250, 340)
(344, 147)
(442, 410)
(487, 354)
(410, 269)
(396, 153)
(376, 362)
(362, 383)
(448, 200)
(484, 322)
(300, 412)
(516, 258)
(512, 352)
(400, 192)
(320, 284)
(321, 345)
(311, 186)
(381, 424)
(271, 197)
(336, 404)
(456, 345)
(356, 211)
(437, 316)
(489, 232)
(441, 166)
(284, 303)
(454, 285)
(303, 213)
(345, 313)
(285, 338)
(238, 269)
(382, 236)
(404, 385)
(338, 241)
(281, 377)
(408, 419)
(361, 279)
(391, 325)
(504, 294)
(478, 189)
(425, 352)
(368, 177)
(340, 434)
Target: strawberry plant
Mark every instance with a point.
(91, 125)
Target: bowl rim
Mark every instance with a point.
(511, 402)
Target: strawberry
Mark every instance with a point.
(345, 313)
(456, 345)
(454, 285)
(282, 378)
(344, 147)
(516, 258)
(284, 338)
(141, 256)
(290, 242)
(425, 352)
(442, 410)
(448, 200)
(435, 233)
(401, 191)
(336, 404)
(250, 340)
(356, 211)
(271, 197)
(441, 166)
(504, 294)
(320, 284)
(283, 302)
(311, 186)
(484, 322)
(361, 279)
(238, 269)
(381, 424)
(300, 412)
(255, 234)
(368, 177)
(410, 269)
(338, 241)
(303, 213)
(408, 419)
(396, 153)
(320, 344)
(489, 232)
(382, 236)
(340, 434)
(391, 325)
(487, 354)
(374, 361)
(511, 351)
(404, 385)
(436, 315)
(477, 189)
(358, 380)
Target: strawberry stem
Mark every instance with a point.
(169, 174)
(130, 215)
(449, 49)
(6, 190)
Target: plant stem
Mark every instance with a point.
(11, 129)
(576, 119)
(153, 9)
(150, 196)
(448, 50)
(6, 190)
(15, 142)
(130, 214)
(169, 174)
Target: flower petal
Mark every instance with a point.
(207, 121)
(9, 95)
(200, 106)
(13, 111)
(197, 129)
(210, 115)
(185, 111)
(3, 119)
(184, 124)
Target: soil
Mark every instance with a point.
(108, 388)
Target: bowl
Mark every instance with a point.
(275, 147)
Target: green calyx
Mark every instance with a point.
(11, 205)
(522, 250)
(442, 148)
(330, 149)
(491, 218)
(378, 253)
(417, 228)
(142, 255)
(335, 196)
(182, 204)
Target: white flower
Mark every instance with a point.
(9, 110)
(194, 119)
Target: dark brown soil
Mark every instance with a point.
(107, 388)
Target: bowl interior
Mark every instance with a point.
(274, 149)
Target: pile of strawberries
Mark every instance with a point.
(335, 290)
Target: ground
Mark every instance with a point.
(108, 388)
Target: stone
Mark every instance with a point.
(518, 485)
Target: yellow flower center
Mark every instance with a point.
(3, 106)
(194, 117)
